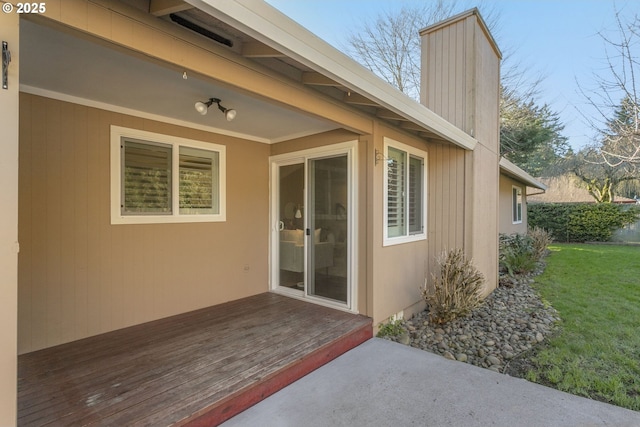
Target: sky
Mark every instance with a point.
(556, 39)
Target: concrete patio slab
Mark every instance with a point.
(382, 383)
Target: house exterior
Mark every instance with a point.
(130, 205)
(516, 188)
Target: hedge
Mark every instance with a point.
(581, 222)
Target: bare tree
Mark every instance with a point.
(390, 47)
(615, 96)
(602, 181)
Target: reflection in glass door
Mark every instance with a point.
(291, 238)
(327, 228)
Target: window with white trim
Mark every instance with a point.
(404, 193)
(516, 197)
(163, 179)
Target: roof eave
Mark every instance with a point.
(271, 27)
(509, 169)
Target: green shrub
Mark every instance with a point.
(455, 290)
(581, 222)
(516, 263)
(391, 329)
(516, 254)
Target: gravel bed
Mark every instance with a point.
(510, 322)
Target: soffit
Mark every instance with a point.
(69, 66)
(58, 62)
(314, 63)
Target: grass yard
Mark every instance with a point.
(596, 289)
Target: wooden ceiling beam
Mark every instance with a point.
(357, 99)
(390, 115)
(259, 50)
(412, 126)
(317, 79)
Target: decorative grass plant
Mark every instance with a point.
(455, 290)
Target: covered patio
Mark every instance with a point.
(197, 368)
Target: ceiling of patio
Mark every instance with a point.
(56, 61)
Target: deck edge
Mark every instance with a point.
(243, 399)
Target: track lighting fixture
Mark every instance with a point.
(203, 107)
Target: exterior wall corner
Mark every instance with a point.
(9, 107)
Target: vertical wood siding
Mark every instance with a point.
(446, 204)
(461, 84)
(79, 275)
(447, 80)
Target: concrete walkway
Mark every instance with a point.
(381, 383)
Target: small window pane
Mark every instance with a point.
(396, 165)
(146, 183)
(517, 204)
(199, 176)
(415, 195)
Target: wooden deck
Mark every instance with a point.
(198, 368)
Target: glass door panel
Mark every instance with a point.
(327, 228)
(291, 238)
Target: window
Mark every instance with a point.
(517, 204)
(405, 201)
(160, 179)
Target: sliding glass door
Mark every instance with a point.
(327, 219)
(312, 232)
(291, 238)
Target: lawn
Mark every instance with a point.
(596, 289)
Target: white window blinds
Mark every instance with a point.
(146, 178)
(198, 181)
(396, 184)
(416, 180)
(404, 194)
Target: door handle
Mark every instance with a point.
(280, 225)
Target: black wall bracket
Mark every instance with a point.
(6, 58)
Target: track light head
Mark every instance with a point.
(203, 107)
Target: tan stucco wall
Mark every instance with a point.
(9, 32)
(506, 215)
(79, 275)
(313, 141)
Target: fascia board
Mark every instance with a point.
(268, 25)
(508, 168)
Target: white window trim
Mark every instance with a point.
(117, 133)
(514, 202)
(389, 241)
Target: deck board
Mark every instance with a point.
(197, 368)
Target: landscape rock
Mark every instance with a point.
(510, 322)
(404, 339)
